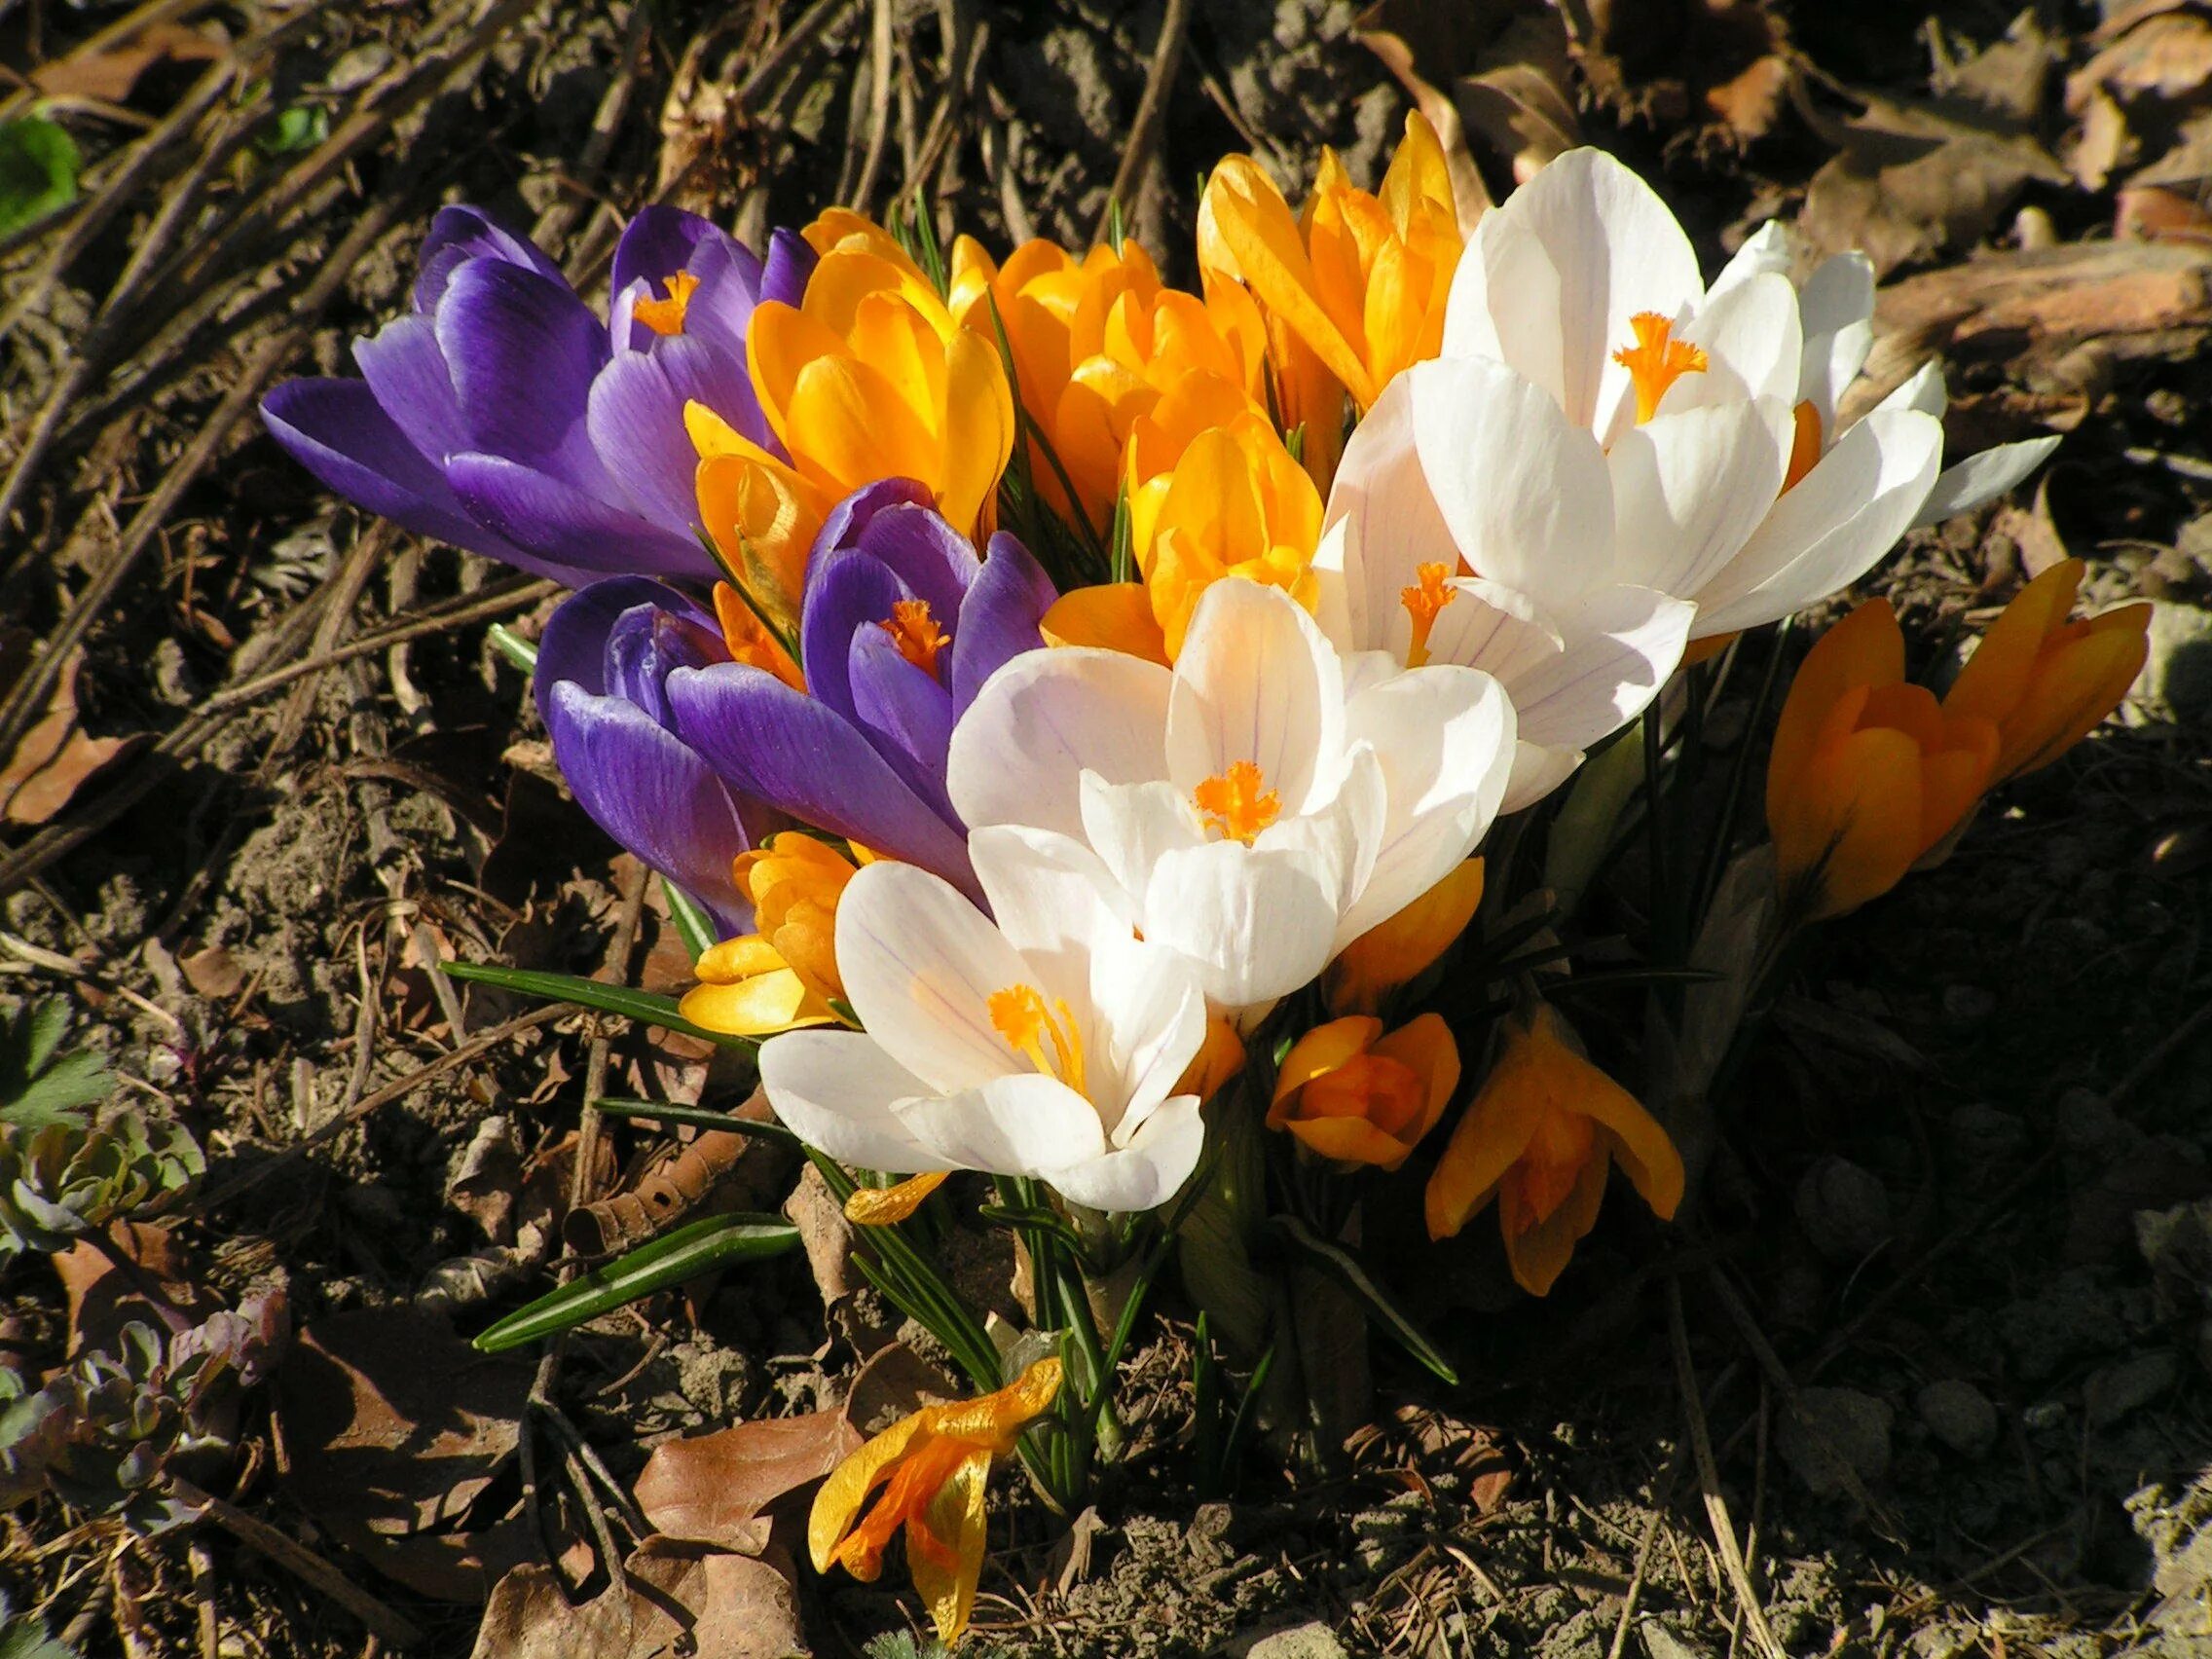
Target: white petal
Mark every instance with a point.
(1392, 525)
(1982, 477)
(835, 1090)
(1256, 681)
(1832, 528)
(1255, 925)
(1504, 304)
(1923, 389)
(1152, 1020)
(1753, 343)
(1445, 738)
(1011, 1126)
(919, 963)
(1489, 626)
(1839, 293)
(1145, 1173)
(1043, 719)
(1131, 827)
(1838, 308)
(1690, 489)
(1766, 248)
(1052, 897)
(1337, 575)
(1620, 649)
(1536, 772)
(1525, 492)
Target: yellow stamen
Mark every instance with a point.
(1237, 803)
(1656, 361)
(1425, 602)
(914, 631)
(881, 1207)
(1019, 1015)
(666, 316)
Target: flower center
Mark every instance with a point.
(1019, 1015)
(666, 316)
(1548, 1169)
(1656, 361)
(1237, 802)
(914, 631)
(1804, 445)
(1387, 1093)
(1425, 602)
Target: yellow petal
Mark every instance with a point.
(839, 1501)
(947, 1562)
(759, 1007)
(1394, 951)
(1538, 1255)
(1849, 827)
(977, 432)
(1426, 1045)
(1255, 225)
(1218, 1060)
(1322, 1050)
(1865, 648)
(1350, 1140)
(2075, 688)
(1997, 677)
(735, 959)
(996, 1419)
(848, 426)
(884, 1207)
(1487, 1140)
(1115, 616)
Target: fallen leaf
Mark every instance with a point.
(1716, 66)
(111, 75)
(702, 1604)
(714, 1489)
(487, 1178)
(389, 1427)
(102, 1299)
(54, 759)
(2166, 54)
(213, 972)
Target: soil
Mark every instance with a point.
(1950, 1334)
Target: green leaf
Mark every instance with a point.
(514, 648)
(691, 920)
(685, 1253)
(1339, 1265)
(592, 994)
(23, 1637)
(698, 1118)
(39, 163)
(301, 128)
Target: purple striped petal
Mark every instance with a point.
(720, 307)
(652, 793)
(561, 524)
(574, 646)
(523, 351)
(924, 552)
(999, 618)
(905, 712)
(841, 530)
(658, 243)
(847, 594)
(789, 751)
(460, 234)
(789, 263)
(408, 373)
(636, 419)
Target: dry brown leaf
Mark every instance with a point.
(1717, 66)
(1471, 196)
(111, 75)
(2149, 212)
(389, 1427)
(213, 972)
(55, 758)
(2166, 54)
(2100, 144)
(2006, 81)
(716, 1488)
(102, 1299)
(702, 1604)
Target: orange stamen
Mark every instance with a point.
(666, 316)
(1425, 602)
(1237, 803)
(1019, 1015)
(914, 631)
(1656, 361)
(1804, 446)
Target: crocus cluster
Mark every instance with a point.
(1023, 871)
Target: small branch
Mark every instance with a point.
(378, 1619)
(1152, 112)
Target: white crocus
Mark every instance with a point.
(1836, 311)
(1046, 1044)
(1257, 807)
(1578, 652)
(1584, 290)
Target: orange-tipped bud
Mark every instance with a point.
(1355, 1095)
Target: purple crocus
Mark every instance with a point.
(502, 415)
(603, 668)
(901, 624)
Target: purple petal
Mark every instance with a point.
(523, 351)
(653, 794)
(460, 234)
(842, 528)
(792, 752)
(999, 618)
(408, 373)
(646, 645)
(846, 594)
(924, 552)
(906, 712)
(790, 262)
(560, 524)
(658, 243)
(634, 415)
(574, 646)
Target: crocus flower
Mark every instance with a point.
(502, 415)
(1045, 1044)
(1539, 1139)
(602, 686)
(1868, 774)
(786, 973)
(2046, 682)
(1470, 524)
(1353, 288)
(1353, 1094)
(934, 1468)
(1256, 808)
(901, 624)
(1393, 952)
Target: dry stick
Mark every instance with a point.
(605, 121)
(1709, 1478)
(249, 1179)
(1152, 112)
(29, 698)
(878, 106)
(381, 1621)
(794, 39)
(366, 553)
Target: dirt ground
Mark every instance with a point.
(1947, 1316)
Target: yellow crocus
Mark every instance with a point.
(1393, 952)
(784, 976)
(934, 1468)
(1539, 1140)
(1353, 1094)
(1353, 288)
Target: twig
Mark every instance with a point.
(605, 123)
(353, 576)
(381, 1621)
(794, 39)
(102, 41)
(1152, 112)
(878, 106)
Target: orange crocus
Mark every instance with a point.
(2046, 682)
(1539, 1139)
(934, 1468)
(785, 974)
(1355, 1095)
(1393, 952)
(1869, 773)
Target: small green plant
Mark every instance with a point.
(39, 1082)
(25, 1635)
(68, 1180)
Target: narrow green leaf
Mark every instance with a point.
(1339, 1265)
(696, 1117)
(39, 165)
(514, 648)
(592, 994)
(691, 920)
(683, 1254)
(1019, 1217)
